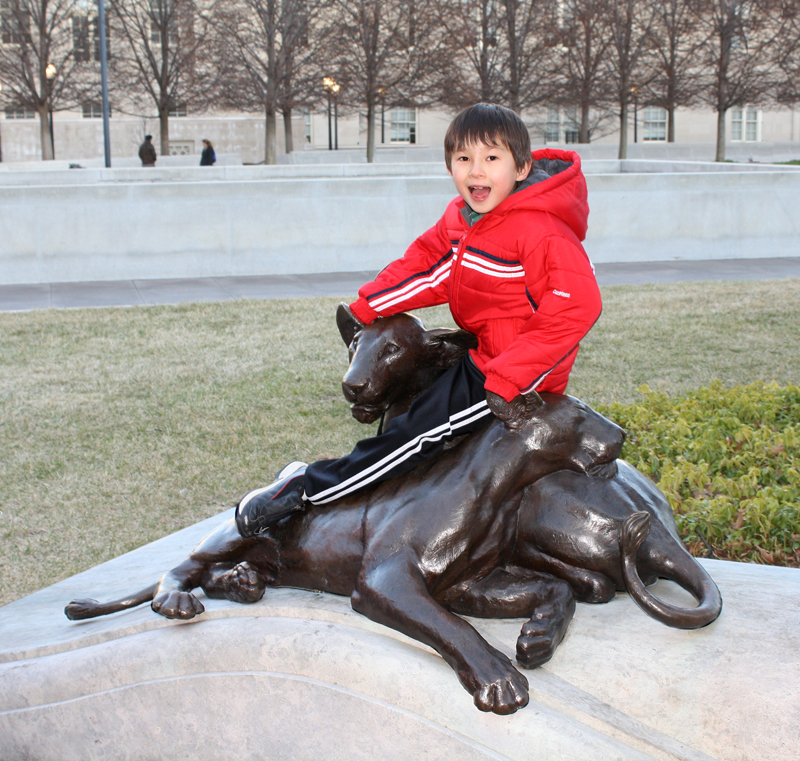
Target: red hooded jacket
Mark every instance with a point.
(518, 279)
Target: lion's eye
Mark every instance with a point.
(389, 349)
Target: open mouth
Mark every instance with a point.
(479, 193)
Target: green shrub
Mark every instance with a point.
(728, 460)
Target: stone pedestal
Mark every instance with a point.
(299, 675)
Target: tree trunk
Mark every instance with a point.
(370, 131)
(671, 125)
(583, 136)
(623, 130)
(45, 135)
(271, 133)
(287, 130)
(163, 125)
(720, 135)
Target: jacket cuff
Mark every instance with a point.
(501, 387)
(363, 311)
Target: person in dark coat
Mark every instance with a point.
(208, 157)
(147, 151)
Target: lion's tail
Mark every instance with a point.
(681, 568)
(78, 610)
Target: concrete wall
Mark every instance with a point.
(198, 222)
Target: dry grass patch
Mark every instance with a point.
(122, 425)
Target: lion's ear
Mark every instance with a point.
(446, 347)
(347, 323)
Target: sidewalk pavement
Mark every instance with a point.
(120, 293)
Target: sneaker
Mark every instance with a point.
(264, 507)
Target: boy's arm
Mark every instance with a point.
(417, 280)
(569, 308)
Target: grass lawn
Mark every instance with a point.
(119, 426)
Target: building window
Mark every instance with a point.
(163, 16)
(86, 39)
(93, 110)
(14, 22)
(19, 112)
(552, 129)
(177, 109)
(572, 125)
(307, 124)
(404, 125)
(561, 125)
(181, 147)
(81, 48)
(745, 124)
(654, 123)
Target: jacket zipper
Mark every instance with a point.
(456, 272)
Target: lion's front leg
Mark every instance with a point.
(393, 592)
(519, 593)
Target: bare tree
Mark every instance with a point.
(385, 51)
(270, 55)
(42, 63)
(162, 56)
(582, 42)
(673, 49)
(471, 70)
(736, 44)
(786, 53)
(629, 24)
(526, 49)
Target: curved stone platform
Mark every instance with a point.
(299, 675)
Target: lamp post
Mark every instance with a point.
(332, 90)
(382, 93)
(635, 93)
(101, 30)
(50, 73)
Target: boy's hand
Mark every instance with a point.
(517, 411)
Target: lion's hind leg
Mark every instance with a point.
(239, 582)
(548, 602)
(587, 586)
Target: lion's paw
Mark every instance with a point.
(245, 584)
(540, 637)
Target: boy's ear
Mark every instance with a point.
(525, 171)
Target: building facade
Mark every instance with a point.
(78, 135)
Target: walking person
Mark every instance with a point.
(207, 157)
(147, 151)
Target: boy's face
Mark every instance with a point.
(485, 175)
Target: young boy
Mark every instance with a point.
(507, 257)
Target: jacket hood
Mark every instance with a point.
(555, 185)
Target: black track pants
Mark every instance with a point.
(454, 405)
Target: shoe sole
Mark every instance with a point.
(287, 470)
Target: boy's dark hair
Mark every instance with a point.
(490, 124)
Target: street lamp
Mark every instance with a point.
(382, 93)
(635, 93)
(332, 90)
(101, 30)
(50, 72)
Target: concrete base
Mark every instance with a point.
(299, 675)
(234, 221)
